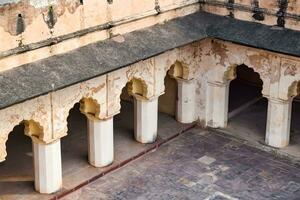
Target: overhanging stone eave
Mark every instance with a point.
(60, 71)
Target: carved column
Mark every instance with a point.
(278, 122)
(217, 104)
(100, 142)
(47, 166)
(145, 119)
(185, 112)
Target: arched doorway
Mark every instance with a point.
(247, 109)
(74, 149)
(294, 146)
(167, 102)
(177, 104)
(17, 171)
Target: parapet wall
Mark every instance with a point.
(37, 29)
(281, 13)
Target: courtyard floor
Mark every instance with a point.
(199, 164)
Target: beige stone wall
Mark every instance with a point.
(48, 28)
(248, 10)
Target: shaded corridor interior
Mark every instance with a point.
(248, 112)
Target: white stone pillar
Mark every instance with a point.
(278, 123)
(145, 119)
(100, 142)
(47, 166)
(185, 112)
(217, 104)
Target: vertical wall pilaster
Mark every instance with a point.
(217, 104)
(278, 123)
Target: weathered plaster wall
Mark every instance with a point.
(42, 28)
(207, 61)
(218, 63)
(281, 13)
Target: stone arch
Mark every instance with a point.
(33, 129)
(90, 107)
(168, 96)
(179, 70)
(137, 86)
(231, 72)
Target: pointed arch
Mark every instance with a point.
(90, 107)
(32, 128)
(137, 86)
(179, 70)
(231, 72)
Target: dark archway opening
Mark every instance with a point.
(167, 101)
(247, 112)
(74, 148)
(17, 171)
(124, 121)
(294, 146)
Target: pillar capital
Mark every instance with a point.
(142, 98)
(278, 100)
(96, 119)
(181, 80)
(37, 140)
(218, 84)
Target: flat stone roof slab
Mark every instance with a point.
(56, 72)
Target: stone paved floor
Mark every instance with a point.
(200, 165)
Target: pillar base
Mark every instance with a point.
(145, 119)
(100, 142)
(47, 167)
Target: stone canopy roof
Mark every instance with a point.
(56, 72)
